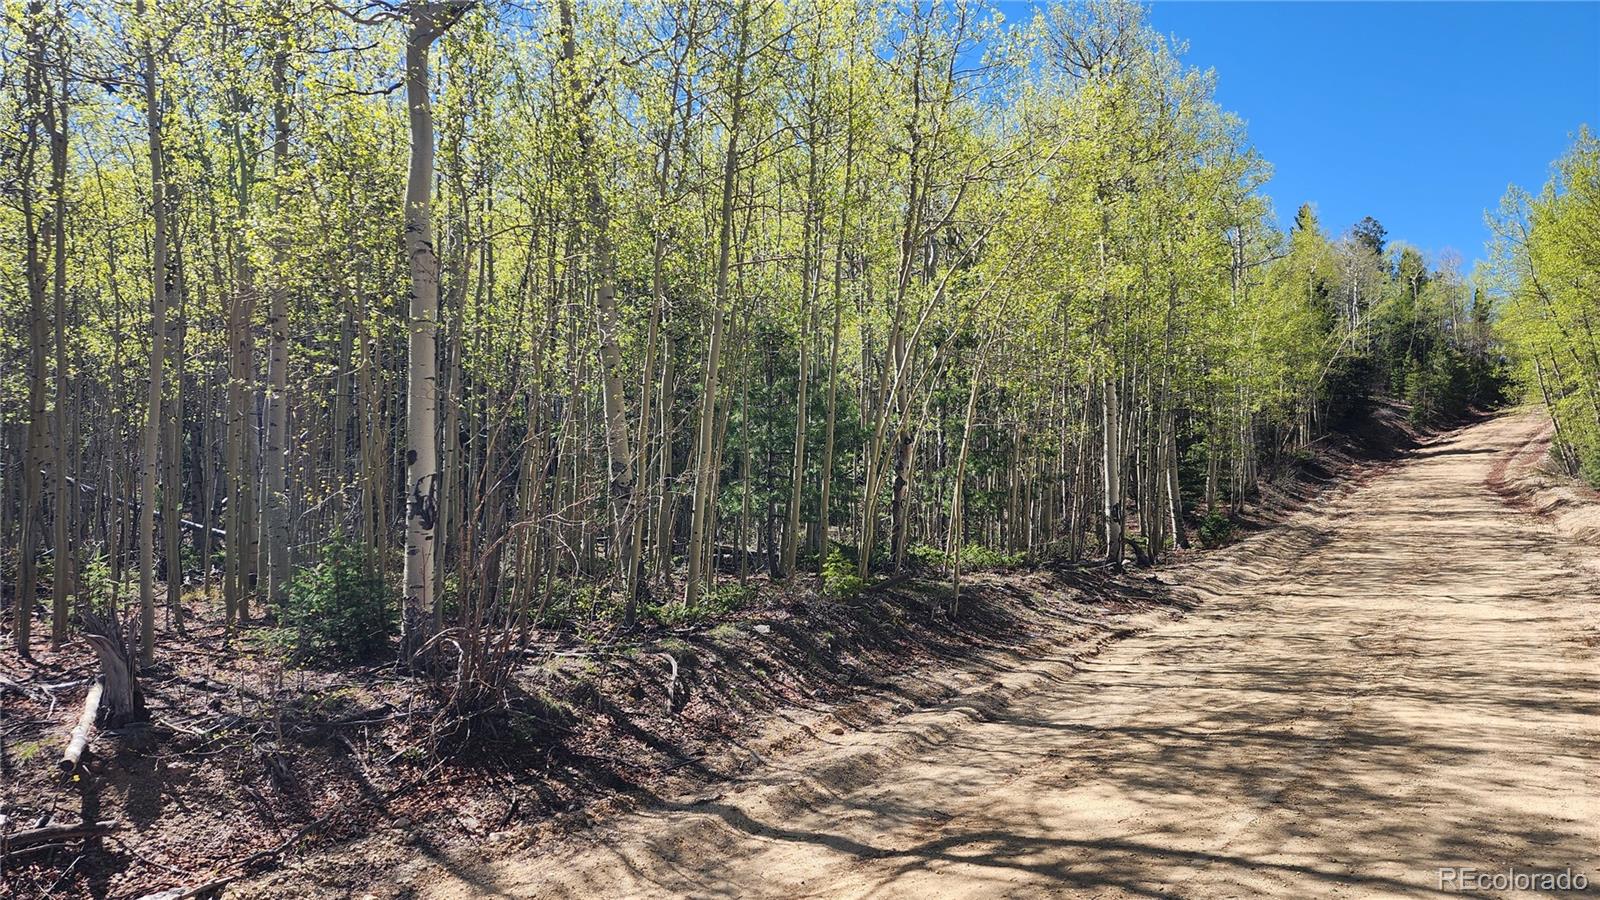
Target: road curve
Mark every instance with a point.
(1402, 679)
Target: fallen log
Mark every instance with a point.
(887, 583)
(18, 840)
(73, 757)
(133, 509)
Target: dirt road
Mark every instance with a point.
(1403, 678)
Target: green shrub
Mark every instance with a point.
(976, 556)
(723, 598)
(571, 600)
(95, 586)
(1216, 529)
(715, 600)
(674, 613)
(927, 557)
(339, 608)
(839, 578)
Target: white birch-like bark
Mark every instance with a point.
(426, 23)
(158, 326)
(275, 502)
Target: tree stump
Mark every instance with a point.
(121, 702)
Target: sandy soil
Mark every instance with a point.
(1402, 678)
(1525, 477)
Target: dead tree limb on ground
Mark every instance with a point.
(73, 757)
(19, 841)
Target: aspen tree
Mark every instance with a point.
(425, 23)
(149, 457)
(29, 520)
(705, 451)
(621, 488)
(56, 126)
(275, 499)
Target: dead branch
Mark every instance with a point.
(17, 840)
(73, 757)
(672, 684)
(184, 893)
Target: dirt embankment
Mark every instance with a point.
(247, 758)
(1527, 478)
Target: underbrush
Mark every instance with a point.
(975, 556)
(339, 609)
(716, 600)
(839, 577)
(1216, 529)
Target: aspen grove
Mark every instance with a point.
(1546, 267)
(455, 323)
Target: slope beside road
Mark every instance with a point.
(1400, 680)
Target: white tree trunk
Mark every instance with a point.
(158, 327)
(957, 490)
(275, 504)
(427, 22)
(1111, 468)
(705, 472)
(619, 447)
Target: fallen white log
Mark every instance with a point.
(73, 757)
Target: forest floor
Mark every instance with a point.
(1375, 683)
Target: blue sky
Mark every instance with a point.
(1418, 114)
